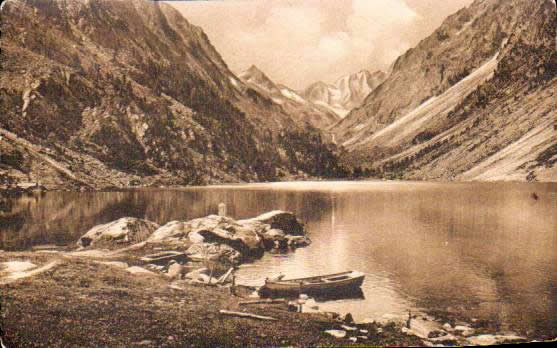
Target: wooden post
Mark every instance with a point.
(233, 286)
(222, 209)
(299, 298)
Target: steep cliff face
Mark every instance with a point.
(347, 93)
(301, 109)
(473, 101)
(129, 91)
(463, 43)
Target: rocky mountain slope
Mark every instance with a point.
(346, 93)
(292, 103)
(112, 93)
(474, 101)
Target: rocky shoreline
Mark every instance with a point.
(104, 292)
(214, 238)
(83, 301)
(132, 282)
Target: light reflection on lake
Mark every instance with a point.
(487, 250)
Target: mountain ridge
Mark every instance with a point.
(292, 103)
(346, 93)
(131, 92)
(99, 93)
(429, 128)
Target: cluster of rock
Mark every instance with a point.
(460, 334)
(211, 238)
(348, 329)
(425, 329)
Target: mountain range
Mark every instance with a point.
(292, 103)
(102, 93)
(346, 93)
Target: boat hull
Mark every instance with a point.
(350, 282)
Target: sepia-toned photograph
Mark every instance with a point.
(278, 173)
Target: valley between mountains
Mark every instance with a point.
(98, 94)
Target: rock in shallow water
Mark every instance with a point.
(273, 237)
(280, 220)
(123, 230)
(222, 238)
(211, 238)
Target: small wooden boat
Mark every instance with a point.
(338, 282)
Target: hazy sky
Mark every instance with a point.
(298, 42)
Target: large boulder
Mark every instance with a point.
(175, 271)
(211, 229)
(297, 241)
(171, 233)
(274, 239)
(124, 230)
(280, 220)
(274, 235)
(210, 252)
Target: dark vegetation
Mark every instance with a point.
(422, 137)
(548, 158)
(309, 153)
(12, 157)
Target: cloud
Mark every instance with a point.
(335, 47)
(298, 42)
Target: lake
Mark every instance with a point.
(484, 250)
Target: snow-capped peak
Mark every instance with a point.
(347, 92)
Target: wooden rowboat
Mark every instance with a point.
(338, 282)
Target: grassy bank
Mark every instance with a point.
(81, 302)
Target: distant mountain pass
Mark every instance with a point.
(347, 93)
(301, 109)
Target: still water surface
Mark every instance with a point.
(484, 250)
